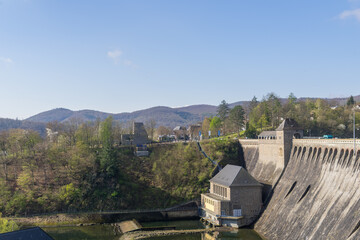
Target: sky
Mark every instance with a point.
(125, 55)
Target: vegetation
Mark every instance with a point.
(316, 116)
(7, 225)
(83, 168)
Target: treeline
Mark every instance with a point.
(81, 167)
(316, 116)
(7, 124)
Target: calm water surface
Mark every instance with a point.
(106, 232)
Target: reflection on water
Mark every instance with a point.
(106, 232)
(243, 234)
(180, 225)
(82, 233)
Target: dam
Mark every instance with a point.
(313, 185)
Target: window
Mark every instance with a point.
(219, 190)
(237, 212)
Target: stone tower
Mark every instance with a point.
(285, 133)
(140, 135)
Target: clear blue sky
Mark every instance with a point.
(118, 56)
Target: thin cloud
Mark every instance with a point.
(114, 55)
(129, 63)
(117, 56)
(6, 60)
(350, 13)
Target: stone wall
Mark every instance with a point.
(248, 199)
(318, 194)
(267, 168)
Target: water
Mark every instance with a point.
(180, 225)
(95, 232)
(106, 232)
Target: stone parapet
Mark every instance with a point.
(325, 141)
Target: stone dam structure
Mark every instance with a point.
(313, 185)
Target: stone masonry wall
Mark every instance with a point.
(267, 168)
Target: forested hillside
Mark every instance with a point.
(84, 169)
(316, 117)
(6, 124)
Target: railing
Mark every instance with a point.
(326, 141)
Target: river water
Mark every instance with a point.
(106, 232)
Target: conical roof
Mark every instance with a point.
(232, 175)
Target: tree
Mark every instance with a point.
(275, 108)
(292, 99)
(254, 102)
(263, 121)
(215, 125)
(237, 117)
(7, 225)
(223, 110)
(250, 131)
(150, 127)
(289, 108)
(350, 101)
(205, 126)
(107, 156)
(162, 130)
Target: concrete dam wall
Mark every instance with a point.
(318, 194)
(262, 169)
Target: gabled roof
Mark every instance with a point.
(232, 175)
(268, 134)
(288, 124)
(35, 233)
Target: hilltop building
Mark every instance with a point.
(137, 137)
(193, 132)
(234, 200)
(180, 133)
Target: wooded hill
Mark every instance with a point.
(83, 169)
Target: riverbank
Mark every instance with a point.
(185, 211)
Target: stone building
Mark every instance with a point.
(140, 135)
(193, 131)
(180, 132)
(137, 137)
(235, 198)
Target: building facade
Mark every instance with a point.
(234, 200)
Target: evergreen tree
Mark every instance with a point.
(350, 101)
(253, 104)
(237, 117)
(223, 110)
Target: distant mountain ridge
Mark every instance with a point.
(165, 116)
